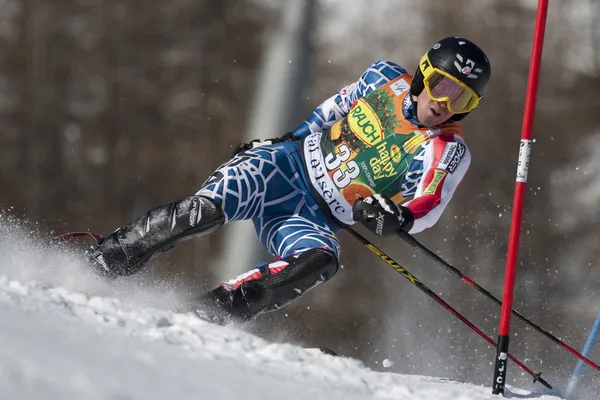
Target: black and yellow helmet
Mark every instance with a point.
(454, 70)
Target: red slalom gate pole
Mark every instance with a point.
(517, 214)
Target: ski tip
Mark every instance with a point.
(325, 350)
(321, 350)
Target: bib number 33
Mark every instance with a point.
(342, 176)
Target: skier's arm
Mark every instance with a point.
(447, 159)
(338, 105)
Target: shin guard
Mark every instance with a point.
(268, 287)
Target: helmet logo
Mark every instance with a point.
(467, 68)
(425, 64)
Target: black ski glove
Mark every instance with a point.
(382, 216)
(258, 142)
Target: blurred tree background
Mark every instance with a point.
(111, 107)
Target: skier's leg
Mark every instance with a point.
(256, 180)
(241, 188)
(309, 252)
(267, 287)
(235, 191)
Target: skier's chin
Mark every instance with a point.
(428, 119)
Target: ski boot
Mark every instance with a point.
(126, 251)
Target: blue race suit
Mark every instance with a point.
(268, 185)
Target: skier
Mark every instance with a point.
(386, 151)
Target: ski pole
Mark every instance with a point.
(414, 242)
(438, 299)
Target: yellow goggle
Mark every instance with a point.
(441, 86)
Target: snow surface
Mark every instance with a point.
(56, 342)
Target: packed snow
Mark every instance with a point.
(64, 337)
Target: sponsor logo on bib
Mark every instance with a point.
(365, 124)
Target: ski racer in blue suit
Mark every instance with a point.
(386, 151)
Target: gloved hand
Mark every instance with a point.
(258, 142)
(382, 216)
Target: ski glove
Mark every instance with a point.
(382, 216)
(258, 142)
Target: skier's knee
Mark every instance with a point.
(126, 250)
(318, 263)
(303, 271)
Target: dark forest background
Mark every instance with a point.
(111, 107)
